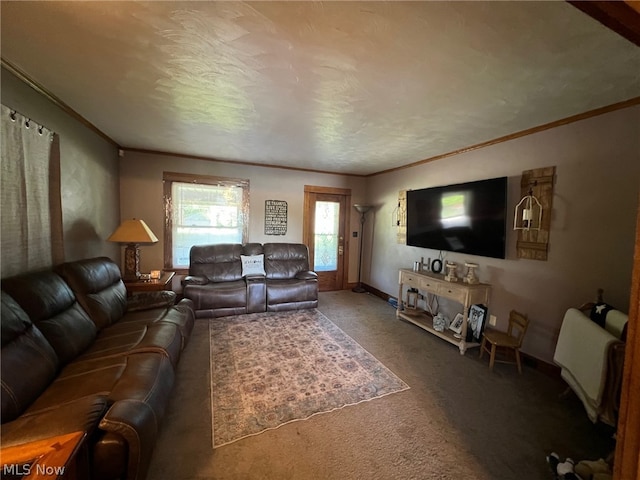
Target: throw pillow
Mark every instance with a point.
(599, 313)
(252, 265)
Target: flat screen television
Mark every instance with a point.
(466, 217)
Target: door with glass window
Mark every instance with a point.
(325, 234)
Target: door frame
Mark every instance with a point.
(627, 454)
(307, 220)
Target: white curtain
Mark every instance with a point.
(30, 205)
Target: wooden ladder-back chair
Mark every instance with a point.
(511, 340)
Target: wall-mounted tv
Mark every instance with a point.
(466, 218)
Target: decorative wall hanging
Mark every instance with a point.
(399, 217)
(275, 217)
(534, 224)
(528, 213)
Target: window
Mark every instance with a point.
(202, 210)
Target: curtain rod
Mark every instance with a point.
(27, 120)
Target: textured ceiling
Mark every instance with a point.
(350, 87)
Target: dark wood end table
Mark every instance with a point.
(52, 458)
(163, 283)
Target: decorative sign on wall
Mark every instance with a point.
(275, 217)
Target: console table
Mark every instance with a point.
(436, 285)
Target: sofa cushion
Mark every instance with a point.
(52, 307)
(252, 249)
(291, 292)
(218, 295)
(24, 349)
(98, 286)
(140, 376)
(219, 263)
(285, 260)
(180, 315)
(134, 335)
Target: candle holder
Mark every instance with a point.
(452, 269)
(471, 278)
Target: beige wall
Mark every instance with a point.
(592, 230)
(595, 203)
(89, 173)
(141, 197)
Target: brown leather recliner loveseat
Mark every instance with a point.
(77, 355)
(217, 286)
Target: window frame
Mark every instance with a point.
(168, 179)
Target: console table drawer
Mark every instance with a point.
(411, 280)
(430, 285)
(452, 292)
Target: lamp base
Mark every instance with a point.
(131, 263)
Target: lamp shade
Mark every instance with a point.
(362, 208)
(133, 231)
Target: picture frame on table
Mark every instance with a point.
(456, 324)
(475, 322)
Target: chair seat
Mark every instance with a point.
(511, 339)
(500, 339)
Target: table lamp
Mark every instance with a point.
(132, 232)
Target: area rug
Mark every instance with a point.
(270, 369)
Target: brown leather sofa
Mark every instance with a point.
(217, 287)
(77, 355)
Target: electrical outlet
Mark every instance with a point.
(493, 320)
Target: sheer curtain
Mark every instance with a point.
(30, 204)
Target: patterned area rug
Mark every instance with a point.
(269, 369)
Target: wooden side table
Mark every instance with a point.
(52, 458)
(163, 283)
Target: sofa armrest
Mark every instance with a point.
(256, 293)
(307, 275)
(149, 300)
(135, 421)
(195, 280)
(81, 415)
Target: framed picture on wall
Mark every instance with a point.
(475, 322)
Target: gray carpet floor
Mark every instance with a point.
(457, 421)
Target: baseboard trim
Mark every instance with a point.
(545, 367)
(378, 293)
